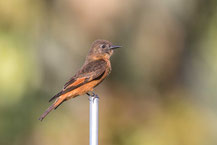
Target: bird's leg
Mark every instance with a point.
(88, 94)
(92, 94)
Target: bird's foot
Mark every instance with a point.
(92, 94)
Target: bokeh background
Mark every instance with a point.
(162, 89)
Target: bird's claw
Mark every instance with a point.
(92, 95)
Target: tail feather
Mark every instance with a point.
(57, 95)
(58, 102)
(46, 112)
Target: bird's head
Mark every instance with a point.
(102, 48)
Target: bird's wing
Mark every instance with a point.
(91, 71)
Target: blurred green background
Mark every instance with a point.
(162, 89)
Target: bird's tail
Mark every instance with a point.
(58, 102)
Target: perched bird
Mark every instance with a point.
(96, 68)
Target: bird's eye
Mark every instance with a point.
(102, 46)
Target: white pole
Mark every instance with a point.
(94, 116)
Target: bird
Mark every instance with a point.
(96, 68)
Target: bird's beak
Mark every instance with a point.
(114, 47)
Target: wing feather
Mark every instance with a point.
(92, 70)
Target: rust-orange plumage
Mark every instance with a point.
(95, 69)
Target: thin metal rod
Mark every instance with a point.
(94, 119)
